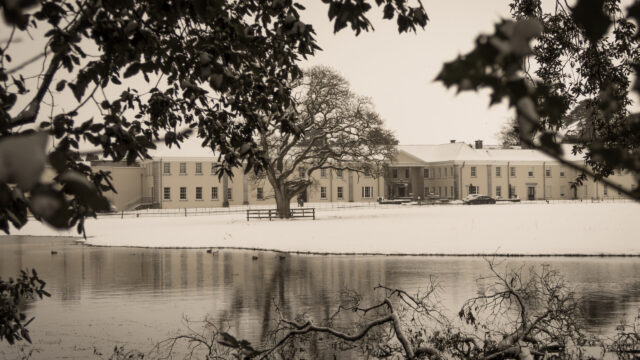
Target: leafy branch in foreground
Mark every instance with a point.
(580, 55)
(141, 72)
(13, 294)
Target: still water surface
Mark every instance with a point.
(107, 296)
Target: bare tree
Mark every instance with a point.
(334, 129)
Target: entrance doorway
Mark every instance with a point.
(531, 192)
(402, 191)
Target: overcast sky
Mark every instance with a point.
(397, 71)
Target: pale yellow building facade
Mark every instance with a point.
(447, 171)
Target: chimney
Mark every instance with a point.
(452, 141)
(478, 144)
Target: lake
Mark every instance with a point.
(102, 297)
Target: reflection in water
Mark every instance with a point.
(107, 296)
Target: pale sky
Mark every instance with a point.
(397, 71)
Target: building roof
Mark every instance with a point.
(463, 152)
(190, 148)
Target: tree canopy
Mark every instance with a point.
(214, 68)
(337, 130)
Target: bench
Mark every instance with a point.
(273, 213)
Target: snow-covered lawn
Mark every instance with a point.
(565, 228)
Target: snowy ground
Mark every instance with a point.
(540, 228)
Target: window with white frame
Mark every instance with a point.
(512, 191)
(474, 189)
(229, 194)
(473, 171)
(198, 192)
(323, 192)
(530, 172)
(323, 172)
(426, 173)
(513, 171)
(339, 192)
(367, 192)
(199, 168)
(167, 168)
(183, 193)
(183, 168)
(498, 171)
(339, 173)
(499, 191)
(260, 193)
(167, 193)
(214, 193)
(547, 172)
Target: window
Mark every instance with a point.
(498, 171)
(474, 189)
(198, 193)
(439, 173)
(167, 193)
(512, 191)
(214, 193)
(606, 191)
(229, 194)
(561, 190)
(445, 172)
(498, 190)
(473, 171)
(340, 192)
(367, 192)
(259, 193)
(530, 172)
(562, 172)
(394, 173)
(547, 172)
(445, 191)
(339, 173)
(406, 173)
(426, 173)
(451, 191)
(183, 193)
(167, 168)
(199, 168)
(323, 172)
(301, 171)
(323, 192)
(183, 168)
(513, 171)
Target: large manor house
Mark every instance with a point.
(187, 179)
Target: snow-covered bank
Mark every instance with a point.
(576, 228)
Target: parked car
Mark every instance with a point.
(481, 199)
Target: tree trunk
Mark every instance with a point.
(283, 203)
